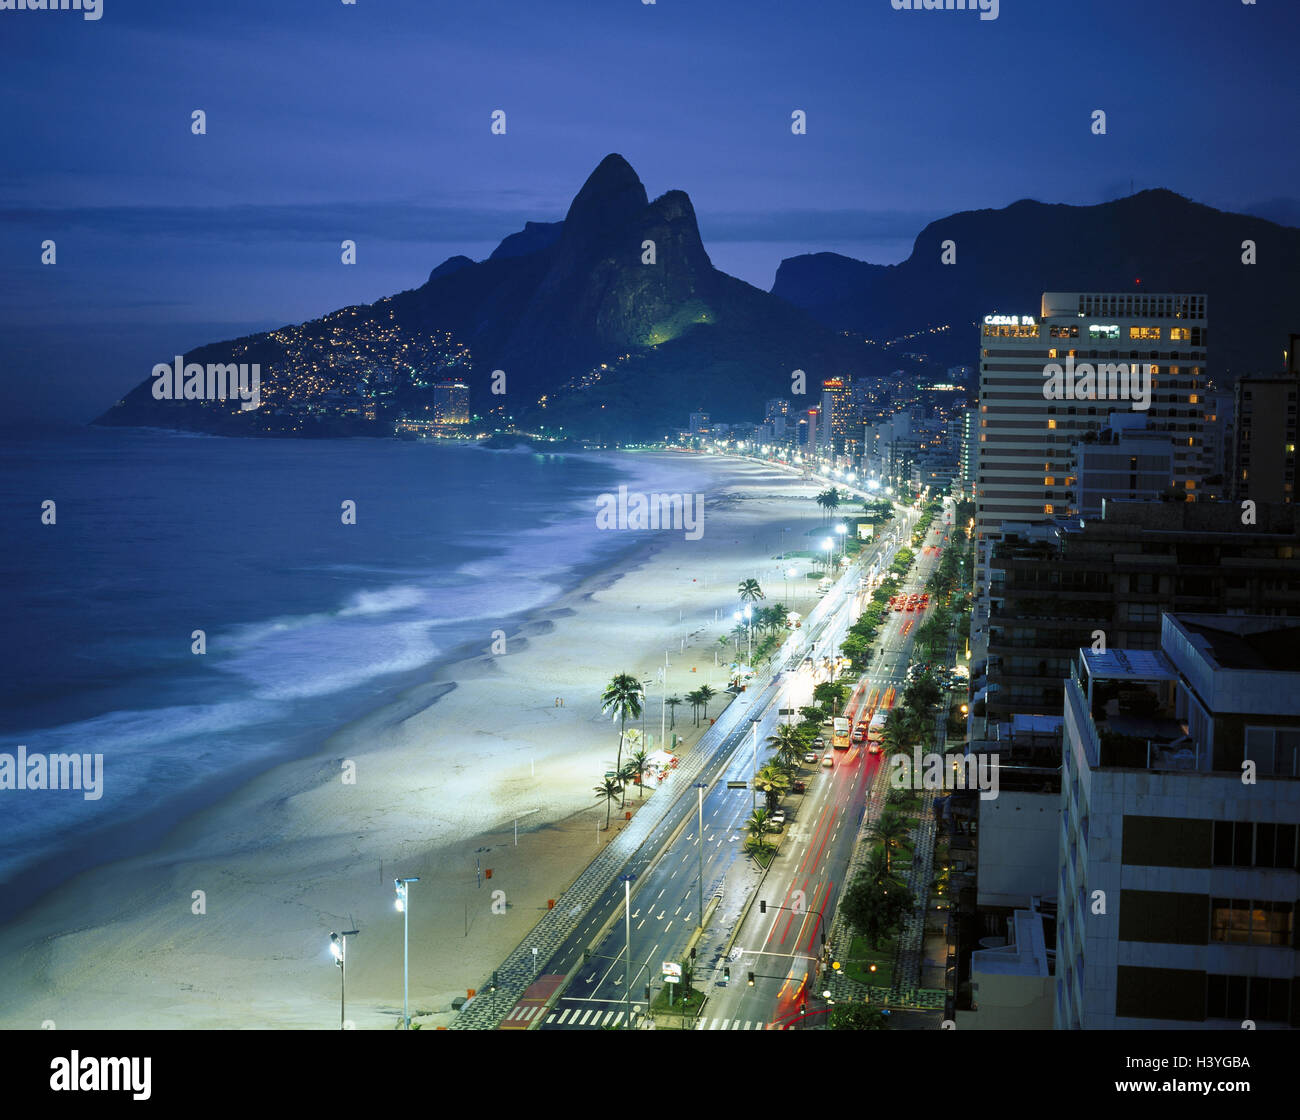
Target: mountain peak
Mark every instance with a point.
(611, 196)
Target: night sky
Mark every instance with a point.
(371, 121)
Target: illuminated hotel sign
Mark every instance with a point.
(1009, 321)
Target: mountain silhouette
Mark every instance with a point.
(1155, 241)
(612, 323)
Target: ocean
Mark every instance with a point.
(308, 622)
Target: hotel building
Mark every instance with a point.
(1023, 468)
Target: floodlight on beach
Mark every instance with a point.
(400, 885)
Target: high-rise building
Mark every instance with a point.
(1177, 900)
(810, 433)
(451, 402)
(1217, 431)
(776, 407)
(1116, 575)
(837, 397)
(1028, 419)
(968, 420)
(1265, 435)
(1125, 461)
(699, 425)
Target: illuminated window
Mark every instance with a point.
(1051, 423)
(1193, 399)
(1179, 334)
(1052, 352)
(1049, 508)
(1048, 480)
(1191, 485)
(1144, 332)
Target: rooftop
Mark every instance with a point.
(1246, 641)
(1128, 665)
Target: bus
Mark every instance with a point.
(875, 729)
(840, 734)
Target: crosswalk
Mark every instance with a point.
(593, 1018)
(598, 1018)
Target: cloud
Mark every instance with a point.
(394, 221)
(413, 221)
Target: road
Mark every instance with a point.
(782, 946)
(667, 889)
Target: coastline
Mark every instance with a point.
(442, 768)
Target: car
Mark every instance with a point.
(859, 732)
(819, 742)
(811, 756)
(799, 787)
(778, 817)
(828, 760)
(773, 825)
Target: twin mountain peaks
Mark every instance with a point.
(596, 342)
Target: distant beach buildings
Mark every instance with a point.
(450, 414)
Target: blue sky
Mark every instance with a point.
(371, 121)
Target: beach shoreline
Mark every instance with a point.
(441, 771)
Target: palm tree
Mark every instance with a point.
(637, 764)
(694, 699)
(756, 823)
(609, 789)
(829, 500)
(622, 698)
(706, 694)
(749, 590)
(789, 746)
(672, 703)
(892, 832)
(899, 732)
(625, 776)
(772, 781)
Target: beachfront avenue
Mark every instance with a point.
(580, 979)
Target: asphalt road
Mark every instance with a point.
(666, 893)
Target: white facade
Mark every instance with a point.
(1178, 879)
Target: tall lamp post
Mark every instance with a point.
(400, 885)
(701, 787)
(627, 881)
(828, 544)
(339, 949)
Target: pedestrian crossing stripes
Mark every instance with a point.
(730, 1025)
(577, 1017)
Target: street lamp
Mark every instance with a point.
(339, 950)
(701, 787)
(627, 881)
(400, 885)
(828, 544)
(840, 531)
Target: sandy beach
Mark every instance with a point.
(441, 776)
